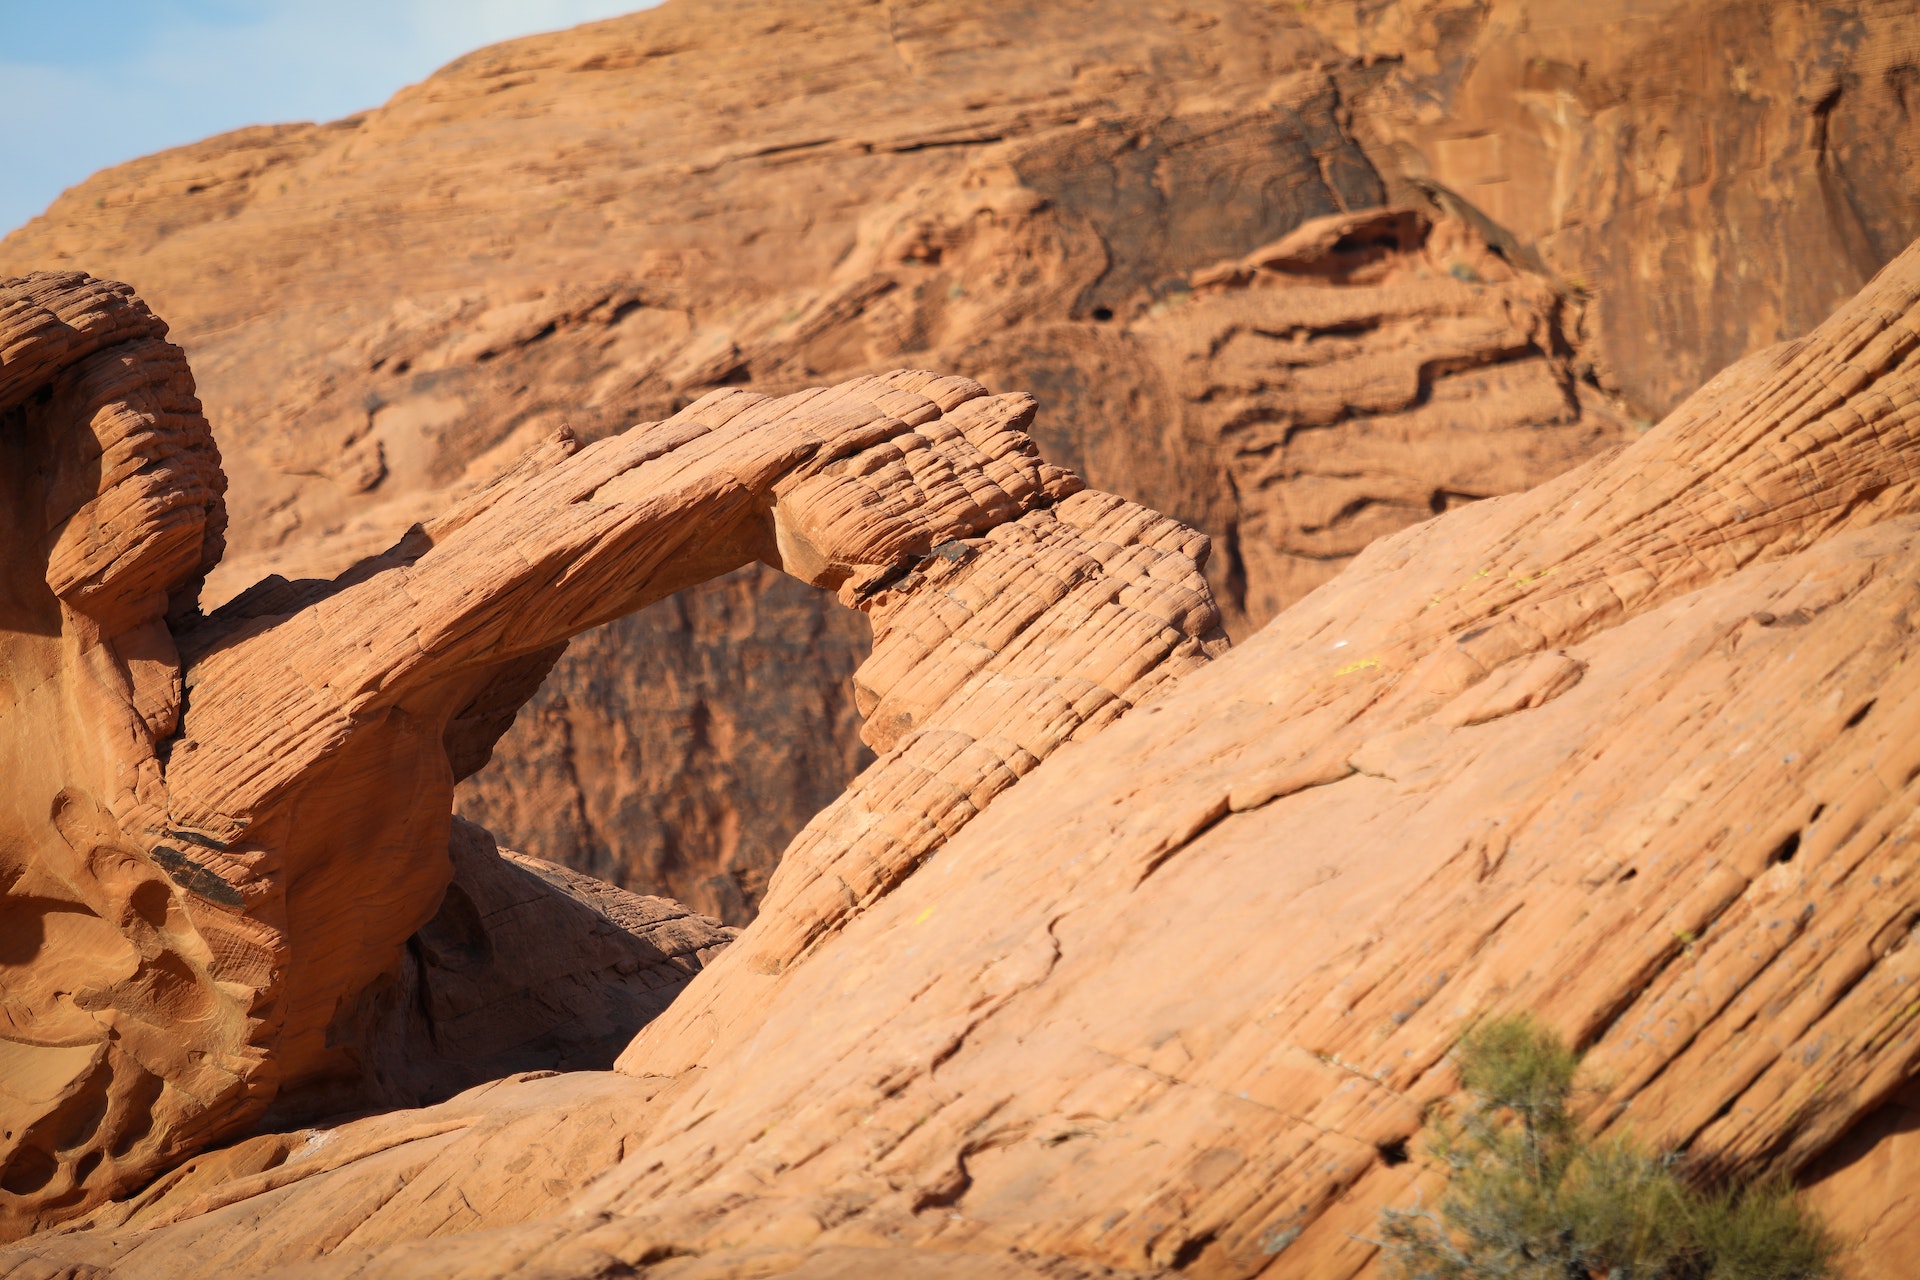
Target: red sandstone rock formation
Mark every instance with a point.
(597, 226)
(209, 902)
(1633, 750)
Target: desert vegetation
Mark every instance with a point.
(1534, 1197)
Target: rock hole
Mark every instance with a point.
(1785, 850)
(136, 1114)
(1817, 811)
(22, 928)
(1392, 1153)
(1859, 715)
(29, 1170)
(150, 901)
(1103, 314)
(456, 938)
(1441, 501)
(85, 1167)
(664, 1253)
(79, 1116)
(1190, 1252)
(1630, 874)
(1372, 244)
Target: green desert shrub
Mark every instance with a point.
(1533, 1198)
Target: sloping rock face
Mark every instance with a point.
(235, 892)
(1634, 751)
(780, 194)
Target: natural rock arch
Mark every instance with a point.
(220, 830)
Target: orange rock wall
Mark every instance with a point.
(1716, 175)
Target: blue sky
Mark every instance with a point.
(89, 83)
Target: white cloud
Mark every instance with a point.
(165, 83)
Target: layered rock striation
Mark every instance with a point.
(1631, 751)
(233, 891)
(617, 219)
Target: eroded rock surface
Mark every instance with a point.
(780, 194)
(242, 901)
(115, 1035)
(1634, 751)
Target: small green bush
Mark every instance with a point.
(1533, 1198)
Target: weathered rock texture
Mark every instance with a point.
(239, 901)
(116, 1037)
(139, 987)
(597, 226)
(1635, 750)
(683, 745)
(1717, 174)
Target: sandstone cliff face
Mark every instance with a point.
(680, 745)
(210, 888)
(779, 195)
(1633, 750)
(1717, 175)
